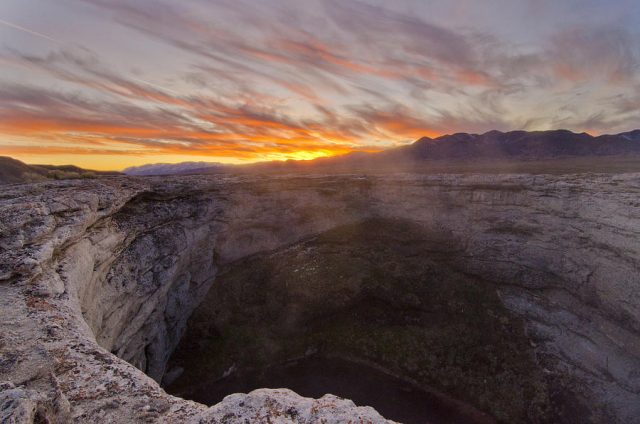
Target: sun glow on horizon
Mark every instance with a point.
(119, 162)
(249, 84)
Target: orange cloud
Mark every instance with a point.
(568, 73)
(246, 139)
(471, 77)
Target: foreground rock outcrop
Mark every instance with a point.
(98, 279)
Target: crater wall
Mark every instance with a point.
(98, 278)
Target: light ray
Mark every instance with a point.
(29, 31)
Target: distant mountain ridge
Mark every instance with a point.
(461, 147)
(13, 171)
(524, 145)
(174, 168)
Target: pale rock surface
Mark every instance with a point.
(98, 278)
(282, 406)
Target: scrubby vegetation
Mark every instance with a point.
(58, 174)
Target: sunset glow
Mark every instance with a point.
(107, 84)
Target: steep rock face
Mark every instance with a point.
(161, 262)
(94, 271)
(116, 265)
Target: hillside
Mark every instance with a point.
(13, 171)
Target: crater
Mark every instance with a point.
(429, 298)
(380, 312)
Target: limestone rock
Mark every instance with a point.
(97, 275)
(282, 406)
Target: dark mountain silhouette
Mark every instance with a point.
(14, 171)
(521, 145)
(461, 148)
(447, 153)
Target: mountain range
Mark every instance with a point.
(461, 148)
(510, 151)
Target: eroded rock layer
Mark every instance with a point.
(98, 275)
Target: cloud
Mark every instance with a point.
(586, 53)
(169, 124)
(274, 79)
(368, 41)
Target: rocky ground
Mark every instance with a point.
(99, 277)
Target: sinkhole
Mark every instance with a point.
(378, 312)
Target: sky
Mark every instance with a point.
(107, 84)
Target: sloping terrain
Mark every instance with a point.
(13, 171)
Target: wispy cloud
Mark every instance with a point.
(28, 31)
(251, 81)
